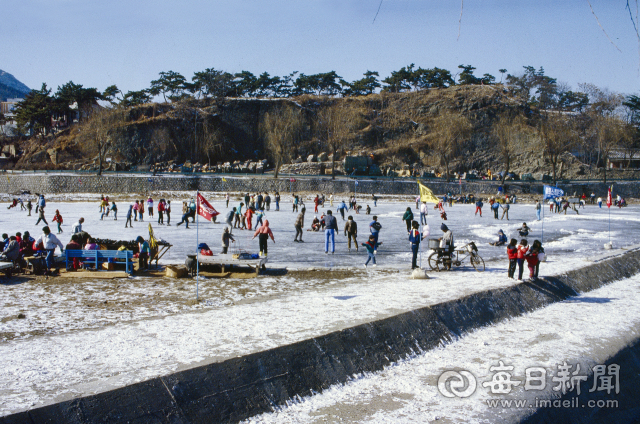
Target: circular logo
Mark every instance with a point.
(456, 382)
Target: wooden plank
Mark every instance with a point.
(108, 275)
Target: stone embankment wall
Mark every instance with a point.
(238, 388)
(54, 183)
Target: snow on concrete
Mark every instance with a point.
(90, 336)
(586, 330)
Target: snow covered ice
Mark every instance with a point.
(83, 337)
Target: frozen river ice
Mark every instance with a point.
(83, 337)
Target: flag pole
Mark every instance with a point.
(197, 244)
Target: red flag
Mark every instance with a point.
(609, 202)
(205, 209)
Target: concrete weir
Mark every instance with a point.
(241, 387)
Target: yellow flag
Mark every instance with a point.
(426, 195)
(152, 240)
(224, 179)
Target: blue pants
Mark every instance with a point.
(538, 214)
(375, 238)
(375, 202)
(414, 260)
(423, 218)
(277, 205)
(600, 205)
(371, 256)
(49, 258)
(329, 234)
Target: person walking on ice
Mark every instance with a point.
(226, 236)
(330, 227)
(58, 219)
(505, 210)
(263, 233)
(371, 247)
(374, 228)
(299, 225)
(351, 231)
(479, 208)
(129, 215)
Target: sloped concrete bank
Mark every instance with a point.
(241, 387)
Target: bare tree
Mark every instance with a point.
(102, 127)
(509, 133)
(558, 136)
(448, 132)
(335, 126)
(281, 128)
(611, 133)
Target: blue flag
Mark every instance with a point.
(551, 192)
(356, 182)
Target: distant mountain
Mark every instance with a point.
(10, 87)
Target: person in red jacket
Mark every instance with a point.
(249, 216)
(58, 218)
(523, 247)
(161, 212)
(316, 201)
(264, 232)
(512, 253)
(532, 261)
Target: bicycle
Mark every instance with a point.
(444, 258)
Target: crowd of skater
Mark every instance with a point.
(250, 214)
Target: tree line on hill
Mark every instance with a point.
(591, 119)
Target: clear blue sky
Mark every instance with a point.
(128, 43)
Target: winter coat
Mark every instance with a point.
(225, 239)
(373, 229)
(330, 222)
(424, 209)
(12, 250)
(408, 216)
(479, 204)
(300, 220)
(512, 251)
(57, 218)
(522, 251)
(50, 242)
(414, 236)
(370, 247)
(532, 259)
(264, 229)
(350, 227)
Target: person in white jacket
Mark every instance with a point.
(49, 243)
(423, 213)
(77, 227)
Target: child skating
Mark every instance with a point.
(371, 247)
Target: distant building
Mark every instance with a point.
(627, 158)
(8, 110)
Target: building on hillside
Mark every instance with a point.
(8, 126)
(624, 158)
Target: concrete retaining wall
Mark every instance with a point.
(239, 388)
(140, 183)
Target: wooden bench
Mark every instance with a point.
(101, 256)
(228, 259)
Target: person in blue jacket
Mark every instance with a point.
(374, 228)
(502, 239)
(414, 239)
(342, 208)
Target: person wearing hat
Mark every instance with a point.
(143, 255)
(26, 245)
(502, 239)
(446, 241)
(49, 242)
(226, 236)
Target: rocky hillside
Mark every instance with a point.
(225, 134)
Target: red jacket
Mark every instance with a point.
(532, 260)
(512, 252)
(522, 251)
